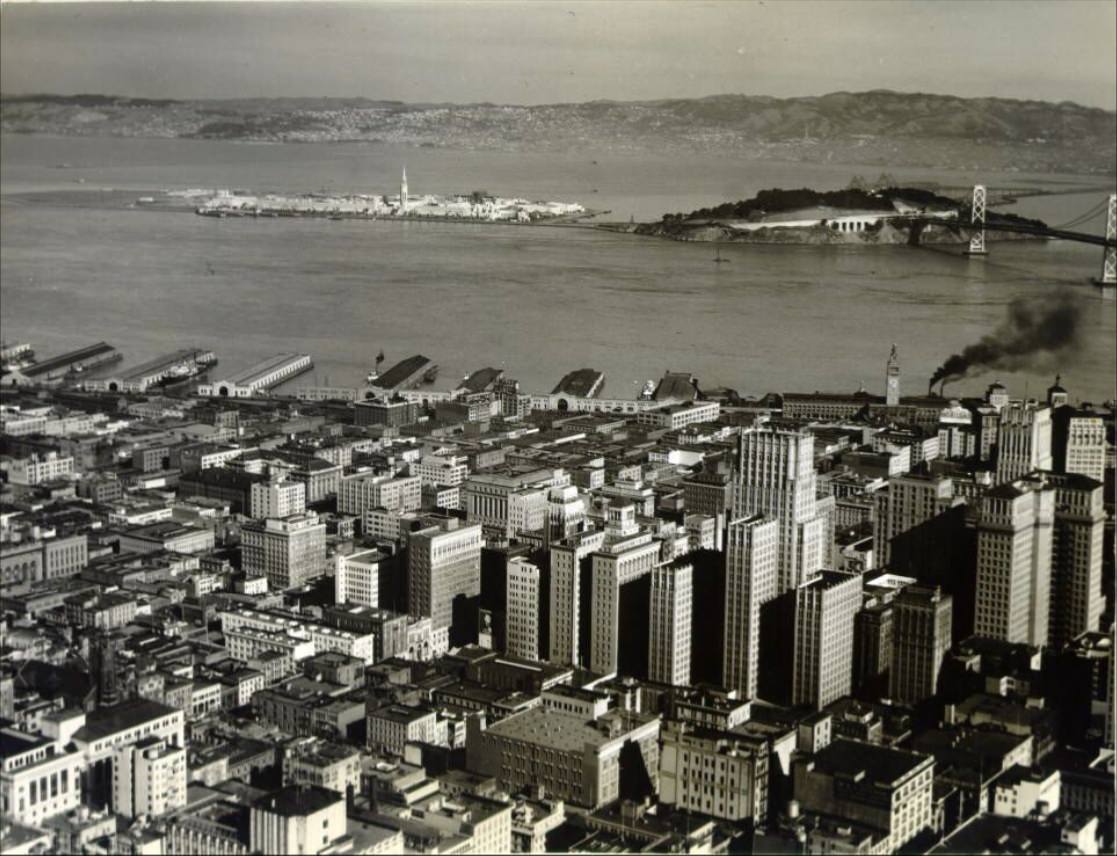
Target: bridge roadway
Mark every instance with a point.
(994, 225)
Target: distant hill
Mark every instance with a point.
(879, 126)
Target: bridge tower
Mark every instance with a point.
(977, 219)
(1109, 253)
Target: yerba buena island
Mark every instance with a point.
(523, 428)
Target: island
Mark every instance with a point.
(889, 215)
(477, 205)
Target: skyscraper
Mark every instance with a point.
(1014, 541)
(1023, 440)
(825, 610)
(566, 594)
(776, 479)
(628, 555)
(751, 579)
(443, 562)
(1077, 599)
(669, 622)
(892, 380)
(921, 620)
(522, 609)
(288, 551)
(904, 504)
(1078, 443)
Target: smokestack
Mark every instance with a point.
(1035, 329)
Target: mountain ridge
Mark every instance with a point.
(879, 126)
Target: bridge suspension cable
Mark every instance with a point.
(1096, 211)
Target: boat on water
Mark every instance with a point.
(718, 260)
(375, 373)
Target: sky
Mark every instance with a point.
(538, 51)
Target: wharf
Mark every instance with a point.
(405, 374)
(182, 364)
(583, 383)
(87, 357)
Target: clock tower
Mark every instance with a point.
(892, 380)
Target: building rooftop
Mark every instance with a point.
(296, 800)
(105, 721)
(566, 733)
(885, 765)
(582, 383)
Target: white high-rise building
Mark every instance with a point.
(1014, 543)
(751, 579)
(627, 555)
(905, 503)
(357, 578)
(359, 492)
(1023, 440)
(443, 561)
(277, 499)
(670, 616)
(565, 594)
(148, 778)
(288, 551)
(522, 609)
(776, 479)
(1077, 599)
(403, 192)
(825, 610)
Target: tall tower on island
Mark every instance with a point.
(403, 192)
(892, 379)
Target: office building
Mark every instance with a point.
(907, 502)
(298, 820)
(751, 580)
(575, 757)
(277, 499)
(1078, 443)
(825, 610)
(1023, 440)
(921, 621)
(669, 632)
(888, 790)
(566, 594)
(361, 491)
(522, 613)
(148, 778)
(289, 551)
(722, 774)
(443, 563)
(1014, 548)
(38, 778)
(1077, 599)
(357, 578)
(776, 478)
(626, 558)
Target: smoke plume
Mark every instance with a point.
(1035, 328)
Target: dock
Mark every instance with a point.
(582, 383)
(261, 377)
(481, 380)
(88, 357)
(182, 363)
(406, 374)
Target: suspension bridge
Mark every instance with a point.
(979, 221)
